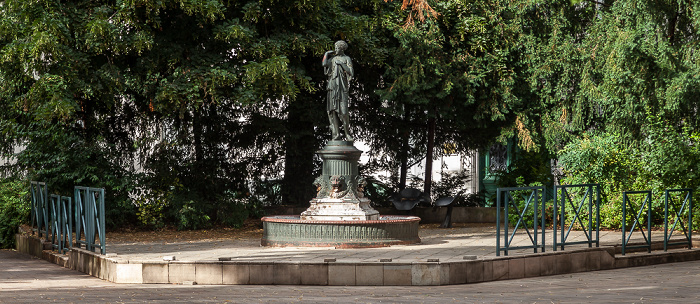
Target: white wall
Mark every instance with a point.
(445, 164)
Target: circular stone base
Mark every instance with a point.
(290, 230)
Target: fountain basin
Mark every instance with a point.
(291, 230)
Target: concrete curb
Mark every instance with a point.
(341, 273)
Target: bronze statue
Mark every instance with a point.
(338, 67)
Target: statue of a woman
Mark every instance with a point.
(338, 67)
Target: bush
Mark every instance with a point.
(236, 207)
(15, 209)
(189, 217)
(668, 158)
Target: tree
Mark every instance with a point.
(614, 88)
(205, 96)
(608, 65)
(451, 80)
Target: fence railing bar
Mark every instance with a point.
(677, 215)
(646, 203)
(564, 199)
(505, 200)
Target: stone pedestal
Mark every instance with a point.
(340, 189)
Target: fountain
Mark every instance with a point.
(340, 215)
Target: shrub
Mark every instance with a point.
(15, 209)
(668, 158)
(191, 217)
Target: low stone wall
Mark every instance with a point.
(332, 272)
(30, 245)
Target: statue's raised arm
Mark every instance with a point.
(338, 68)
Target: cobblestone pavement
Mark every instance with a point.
(24, 279)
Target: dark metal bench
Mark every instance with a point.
(448, 202)
(408, 198)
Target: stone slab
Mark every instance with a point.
(341, 274)
(532, 266)
(548, 264)
(155, 273)
(262, 274)
(369, 274)
(499, 270)
(209, 273)
(475, 271)
(426, 274)
(457, 273)
(516, 268)
(397, 274)
(179, 273)
(287, 274)
(129, 273)
(314, 274)
(236, 273)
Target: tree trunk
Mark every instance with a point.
(403, 153)
(404, 161)
(428, 181)
(300, 147)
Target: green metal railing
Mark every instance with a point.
(585, 208)
(529, 197)
(90, 217)
(628, 198)
(679, 212)
(61, 222)
(39, 212)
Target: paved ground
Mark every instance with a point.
(24, 279)
(443, 244)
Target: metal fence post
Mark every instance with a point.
(498, 222)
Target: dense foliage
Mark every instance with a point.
(192, 113)
(14, 210)
(616, 86)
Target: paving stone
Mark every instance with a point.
(102, 270)
(445, 273)
(209, 273)
(593, 262)
(487, 270)
(607, 259)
